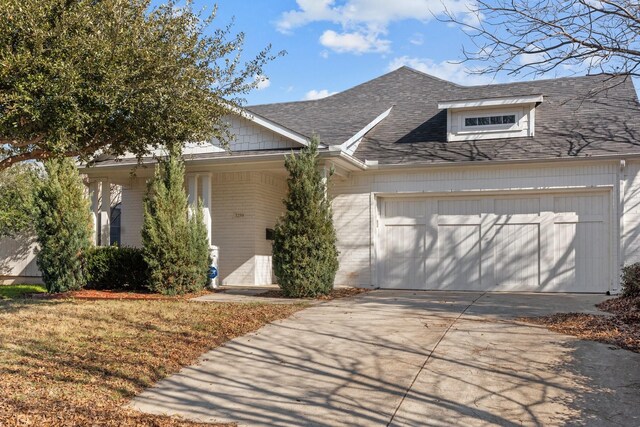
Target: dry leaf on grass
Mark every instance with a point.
(76, 363)
(621, 329)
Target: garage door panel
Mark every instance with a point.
(459, 255)
(513, 257)
(591, 257)
(581, 205)
(405, 256)
(580, 258)
(517, 206)
(459, 207)
(399, 208)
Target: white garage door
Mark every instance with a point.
(545, 243)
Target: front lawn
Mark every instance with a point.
(72, 362)
(18, 291)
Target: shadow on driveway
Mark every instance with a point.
(409, 358)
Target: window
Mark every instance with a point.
(507, 119)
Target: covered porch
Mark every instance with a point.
(241, 198)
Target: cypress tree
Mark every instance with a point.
(63, 226)
(175, 244)
(305, 258)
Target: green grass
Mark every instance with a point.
(18, 291)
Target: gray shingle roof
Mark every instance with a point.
(580, 116)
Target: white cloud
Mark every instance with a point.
(355, 42)
(531, 58)
(417, 39)
(447, 70)
(372, 13)
(317, 94)
(310, 10)
(262, 82)
(367, 20)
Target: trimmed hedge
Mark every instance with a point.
(113, 267)
(631, 280)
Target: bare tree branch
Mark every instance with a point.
(539, 36)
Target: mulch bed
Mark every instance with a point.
(621, 328)
(334, 294)
(91, 294)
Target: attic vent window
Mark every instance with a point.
(490, 120)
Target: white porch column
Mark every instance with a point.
(206, 203)
(94, 195)
(192, 192)
(105, 213)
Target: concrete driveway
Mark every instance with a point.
(410, 358)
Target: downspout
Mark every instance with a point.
(621, 240)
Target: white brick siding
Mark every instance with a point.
(244, 205)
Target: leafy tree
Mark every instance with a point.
(63, 226)
(305, 258)
(175, 244)
(538, 36)
(87, 78)
(17, 205)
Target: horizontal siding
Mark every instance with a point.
(476, 179)
(18, 257)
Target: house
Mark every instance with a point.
(531, 186)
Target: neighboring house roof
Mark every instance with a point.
(580, 117)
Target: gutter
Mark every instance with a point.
(331, 153)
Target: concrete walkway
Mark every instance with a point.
(247, 295)
(410, 358)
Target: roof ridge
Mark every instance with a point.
(431, 76)
(404, 67)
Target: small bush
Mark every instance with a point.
(113, 267)
(631, 280)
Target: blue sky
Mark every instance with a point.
(333, 45)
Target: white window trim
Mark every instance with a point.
(515, 127)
